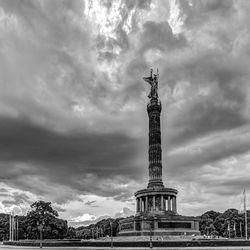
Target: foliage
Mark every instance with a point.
(100, 229)
(43, 208)
(44, 217)
(227, 224)
(206, 224)
(4, 226)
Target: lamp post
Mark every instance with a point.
(151, 224)
(10, 228)
(102, 231)
(40, 227)
(228, 228)
(17, 229)
(92, 232)
(111, 234)
(150, 236)
(151, 230)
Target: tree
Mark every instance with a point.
(4, 226)
(71, 234)
(43, 214)
(230, 218)
(44, 209)
(207, 223)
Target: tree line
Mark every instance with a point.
(43, 217)
(231, 224)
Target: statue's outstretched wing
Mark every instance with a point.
(148, 80)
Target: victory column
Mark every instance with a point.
(156, 209)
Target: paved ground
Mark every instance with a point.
(124, 248)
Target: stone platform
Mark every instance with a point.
(156, 214)
(166, 224)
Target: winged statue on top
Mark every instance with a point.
(153, 81)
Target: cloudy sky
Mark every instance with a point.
(73, 121)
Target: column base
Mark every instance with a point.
(155, 184)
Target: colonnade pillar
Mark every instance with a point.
(142, 203)
(174, 204)
(162, 202)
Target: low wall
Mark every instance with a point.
(158, 233)
(183, 243)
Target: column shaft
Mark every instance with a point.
(153, 202)
(154, 152)
(169, 204)
(174, 204)
(146, 203)
(162, 204)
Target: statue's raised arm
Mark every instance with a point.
(153, 81)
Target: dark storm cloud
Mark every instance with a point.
(60, 157)
(209, 154)
(234, 185)
(203, 118)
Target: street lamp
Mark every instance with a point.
(151, 223)
(40, 227)
(150, 239)
(103, 232)
(152, 219)
(17, 229)
(97, 233)
(111, 234)
(228, 228)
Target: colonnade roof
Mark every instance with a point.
(156, 191)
